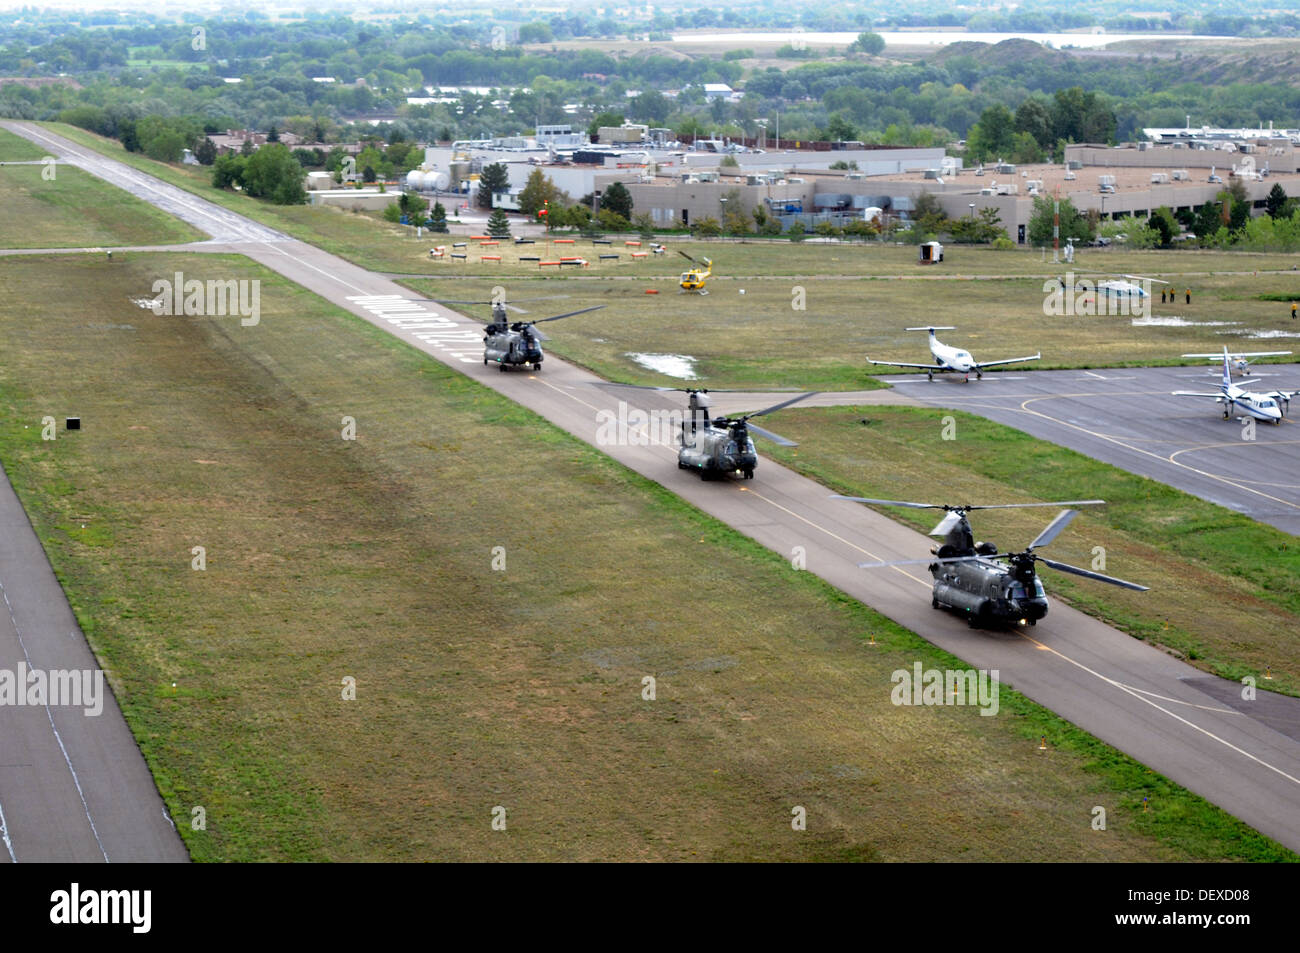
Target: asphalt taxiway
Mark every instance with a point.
(1130, 419)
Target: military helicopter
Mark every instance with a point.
(722, 445)
(693, 279)
(516, 343)
(991, 588)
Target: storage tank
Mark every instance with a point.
(438, 181)
(415, 180)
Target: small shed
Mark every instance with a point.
(931, 252)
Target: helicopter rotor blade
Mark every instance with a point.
(784, 403)
(686, 256)
(1089, 574)
(776, 438)
(1016, 506)
(918, 562)
(1053, 529)
(568, 315)
(865, 499)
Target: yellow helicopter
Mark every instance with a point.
(693, 279)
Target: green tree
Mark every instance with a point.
(707, 227)
(993, 136)
(273, 173)
(1073, 224)
(205, 151)
(1034, 118)
(538, 32)
(1163, 223)
(228, 171)
(1209, 219)
(869, 43)
(644, 225)
(493, 179)
(618, 200)
(498, 225)
(538, 191)
(839, 129)
(1277, 204)
(928, 215)
(438, 218)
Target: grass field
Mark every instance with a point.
(1225, 590)
(759, 339)
(75, 209)
(475, 688)
(17, 149)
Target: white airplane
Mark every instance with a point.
(1263, 406)
(1239, 362)
(951, 359)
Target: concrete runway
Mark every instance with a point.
(1164, 713)
(1129, 418)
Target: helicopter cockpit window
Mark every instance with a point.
(731, 447)
(1017, 590)
(1038, 590)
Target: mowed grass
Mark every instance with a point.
(1225, 590)
(17, 149)
(761, 338)
(75, 209)
(475, 688)
(368, 241)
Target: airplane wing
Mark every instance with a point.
(1234, 354)
(1196, 393)
(1010, 360)
(927, 367)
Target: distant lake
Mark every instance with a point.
(935, 38)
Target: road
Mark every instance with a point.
(1129, 418)
(1163, 712)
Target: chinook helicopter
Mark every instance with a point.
(693, 278)
(722, 445)
(509, 344)
(991, 588)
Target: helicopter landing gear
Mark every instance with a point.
(502, 367)
(934, 602)
(749, 474)
(485, 360)
(537, 366)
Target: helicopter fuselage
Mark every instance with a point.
(507, 347)
(988, 592)
(714, 450)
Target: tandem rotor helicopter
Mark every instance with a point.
(722, 445)
(971, 577)
(519, 343)
(715, 447)
(693, 279)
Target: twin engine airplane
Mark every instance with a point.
(952, 360)
(1271, 405)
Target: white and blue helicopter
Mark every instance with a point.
(952, 360)
(1271, 405)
